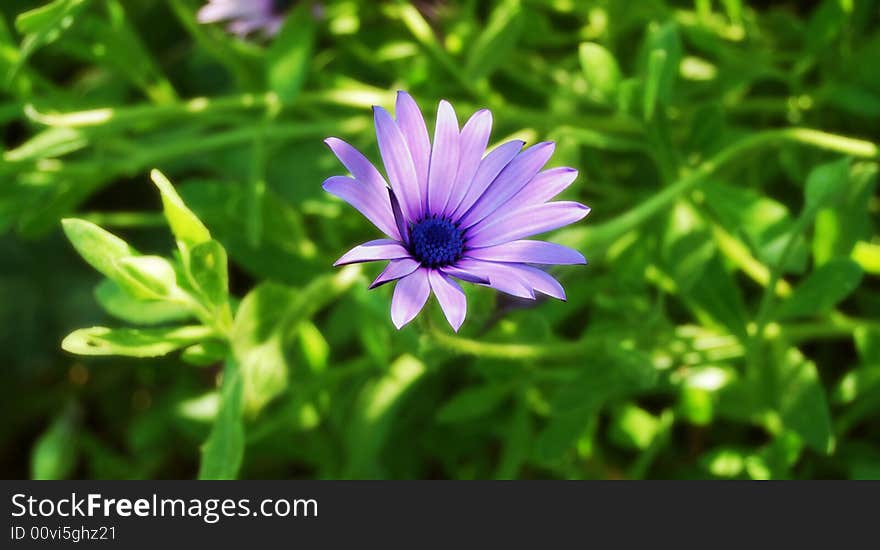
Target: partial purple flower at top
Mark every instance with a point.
(453, 213)
(246, 16)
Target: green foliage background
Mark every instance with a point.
(728, 324)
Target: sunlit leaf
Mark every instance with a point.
(187, 228)
(207, 263)
(822, 289)
(148, 342)
(122, 305)
(803, 404)
(600, 70)
(223, 451)
(289, 57)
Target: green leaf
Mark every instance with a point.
(803, 405)
(120, 304)
(108, 254)
(223, 451)
(54, 142)
(283, 242)
(154, 273)
(472, 403)
(867, 255)
(315, 349)
(290, 55)
(610, 373)
(494, 46)
(822, 290)
(839, 228)
(258, 336)
(517, 443)
(45, 24)
(827, 184)
(207, 264)
(656, 66)
(724, 462)
(634, 427)
(703, 281)
(561, 433)
(45, 17)
(148, 342)
(99, 248)
(187, 228)
(209, 352)
(600, 70)
(760, 222)
(264, 325)
(662, 52)
(54, 453)
(368, 429)
(868, 344)
(851, 98)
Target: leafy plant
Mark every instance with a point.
(727, 324)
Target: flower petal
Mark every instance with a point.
(380, 249)
(472, 145)
(243, 27)
(395, 270)
(500, 278)
(514, 177)
(488, 170)
(399, 164)
(399, 221)
(374, 208)
(410, 295)
(412, 125)
(464, 275)
(530, 252)
(538, 279)
(526, 222)
(218, 11)
(541, 189)
(450, 296)
(359, 166)
(444, 159)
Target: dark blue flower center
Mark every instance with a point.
(436, 242)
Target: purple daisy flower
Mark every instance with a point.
(453, 213)
(246, 16)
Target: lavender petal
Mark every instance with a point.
(539, 280)
(450, 296)
(395, 270)
(502, 279)
(377, 209)
(513, 178)
(472, 143)
(488, 170)
(359, 166)
(464, 275)
(410, 295)
(444, 159)
(379, 249)
(530, 252)
(220, 11)
(540, 189)
(412, 125)
(399, 164)
(526, 222)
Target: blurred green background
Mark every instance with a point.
(727, 326)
